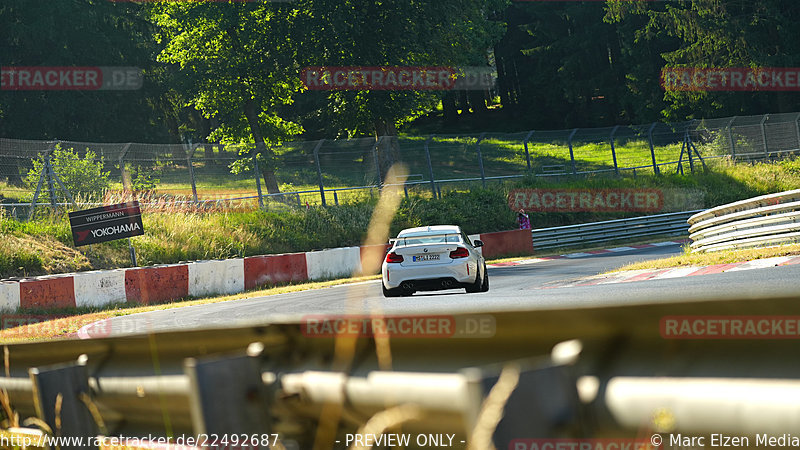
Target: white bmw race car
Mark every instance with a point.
(433, 258)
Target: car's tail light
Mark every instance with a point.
(460, 252)
(394, 258)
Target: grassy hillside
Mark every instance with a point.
(44, 245)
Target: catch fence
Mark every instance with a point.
(328, 172)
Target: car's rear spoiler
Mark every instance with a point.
(393, 240)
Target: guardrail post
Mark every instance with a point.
(61, 397)
(480, 159)
(571, 154)
(732, 141)
(430, 165)
(189, 156)
(764, 135)
(527, 153)
(653, 149)
(613, 149)
(258, 178)
(524, 413)
(319, 171)
(228, 396)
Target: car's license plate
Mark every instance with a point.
(417, 258)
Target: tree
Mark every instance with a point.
(398, 33)
(239, 69)
(83, 176)
(718, 33)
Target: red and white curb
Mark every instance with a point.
(586, 254)
(629, 276)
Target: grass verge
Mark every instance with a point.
(714, 258)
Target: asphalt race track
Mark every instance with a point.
(522, 287)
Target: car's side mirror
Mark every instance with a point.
(477, 243)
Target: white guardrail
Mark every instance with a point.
(757, 222)
(671, 224)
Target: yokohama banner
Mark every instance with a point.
(106, 223)
(580, 200)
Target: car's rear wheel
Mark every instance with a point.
(485, 285)
(476, 286)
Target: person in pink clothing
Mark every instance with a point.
(523, 220)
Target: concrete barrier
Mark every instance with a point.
(216, 277)
(156, 284)
(507, 243)
(274, 269)
(49, 292)
(9, 295)
(99, 287)
(333, 263)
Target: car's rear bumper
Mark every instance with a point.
(430, 277)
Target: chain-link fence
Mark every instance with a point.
(209, 176)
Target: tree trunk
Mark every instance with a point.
(449, 107)
(268, 172)
(388, 148)
(477, 100)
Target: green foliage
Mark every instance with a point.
(83, 176)
(144, 180)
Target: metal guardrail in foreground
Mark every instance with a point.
(772, 219)
(671, 224)
(582, 372)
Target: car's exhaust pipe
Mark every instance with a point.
(407, 285)
(447, 283)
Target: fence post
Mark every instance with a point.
(375, 158)
(39, 185)
(732, 141)
(764, 135)
(571, 154)
(123, 169)
(653, 149)
(430, 165)
(613, 149)
(527, 153)
(258, 178)
(189, 155)
(319, 171)
(480, 159)
(48, 168)
(797, 129)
